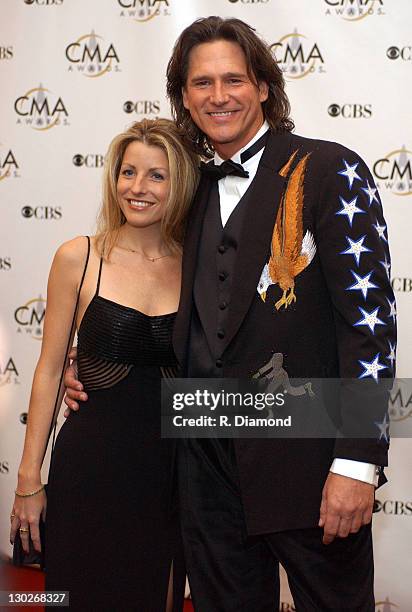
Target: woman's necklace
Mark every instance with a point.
(152, 259)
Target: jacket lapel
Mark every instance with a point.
(254, 244)
(190, 254)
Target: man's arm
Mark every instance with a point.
(74, 388)
(353, 247)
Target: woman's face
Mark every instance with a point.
(143, 184)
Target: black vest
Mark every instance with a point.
(212, 286)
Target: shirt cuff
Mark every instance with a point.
(366, 472)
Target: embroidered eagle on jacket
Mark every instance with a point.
(291, 251)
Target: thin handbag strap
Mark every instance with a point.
(60, 388)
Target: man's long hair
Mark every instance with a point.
(261, 67)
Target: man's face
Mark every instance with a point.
(222, 99)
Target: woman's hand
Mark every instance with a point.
(26, 515)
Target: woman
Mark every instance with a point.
(112, 537)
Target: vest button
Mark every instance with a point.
(221, 248)
(222, 276)
(220, 333)
(219, 363)
(223, 305)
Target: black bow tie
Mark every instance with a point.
(229, 167)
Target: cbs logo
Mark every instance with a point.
(78, 160)
(394, 53)
(350, 111)
(142, 107)
(41, 212)
(27, 212)
(394, 507)
(91, 160)
(5, 263)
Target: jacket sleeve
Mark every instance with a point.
(353, 248)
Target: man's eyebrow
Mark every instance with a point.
(226, 75)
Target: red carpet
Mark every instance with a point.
(31, 579)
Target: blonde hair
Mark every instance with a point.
(183, 171)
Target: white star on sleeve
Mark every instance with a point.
(381, 229)
(356, 248)
(391, 355)
(392, 309)
(370, 319)
(350, 173)
(371, 193)
(363, 284)
(383, 428)
(386, 264)
(349, 209)
(372, 368)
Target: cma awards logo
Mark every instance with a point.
(30, 318)
(400, 401)
(8, 373)
(297, 56)
(351, 111)
(91, 56)
(40, 109)
(8, 164)
(144, 10)
(394, 172)
(142, 107)
(385, 606)
(354, 10)
(89, 160)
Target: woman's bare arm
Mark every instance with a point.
(62, 287)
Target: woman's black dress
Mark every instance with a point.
(111, 529)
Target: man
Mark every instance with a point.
(286, 256)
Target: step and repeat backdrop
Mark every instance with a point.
(75, 72)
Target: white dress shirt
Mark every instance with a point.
(231, 190)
